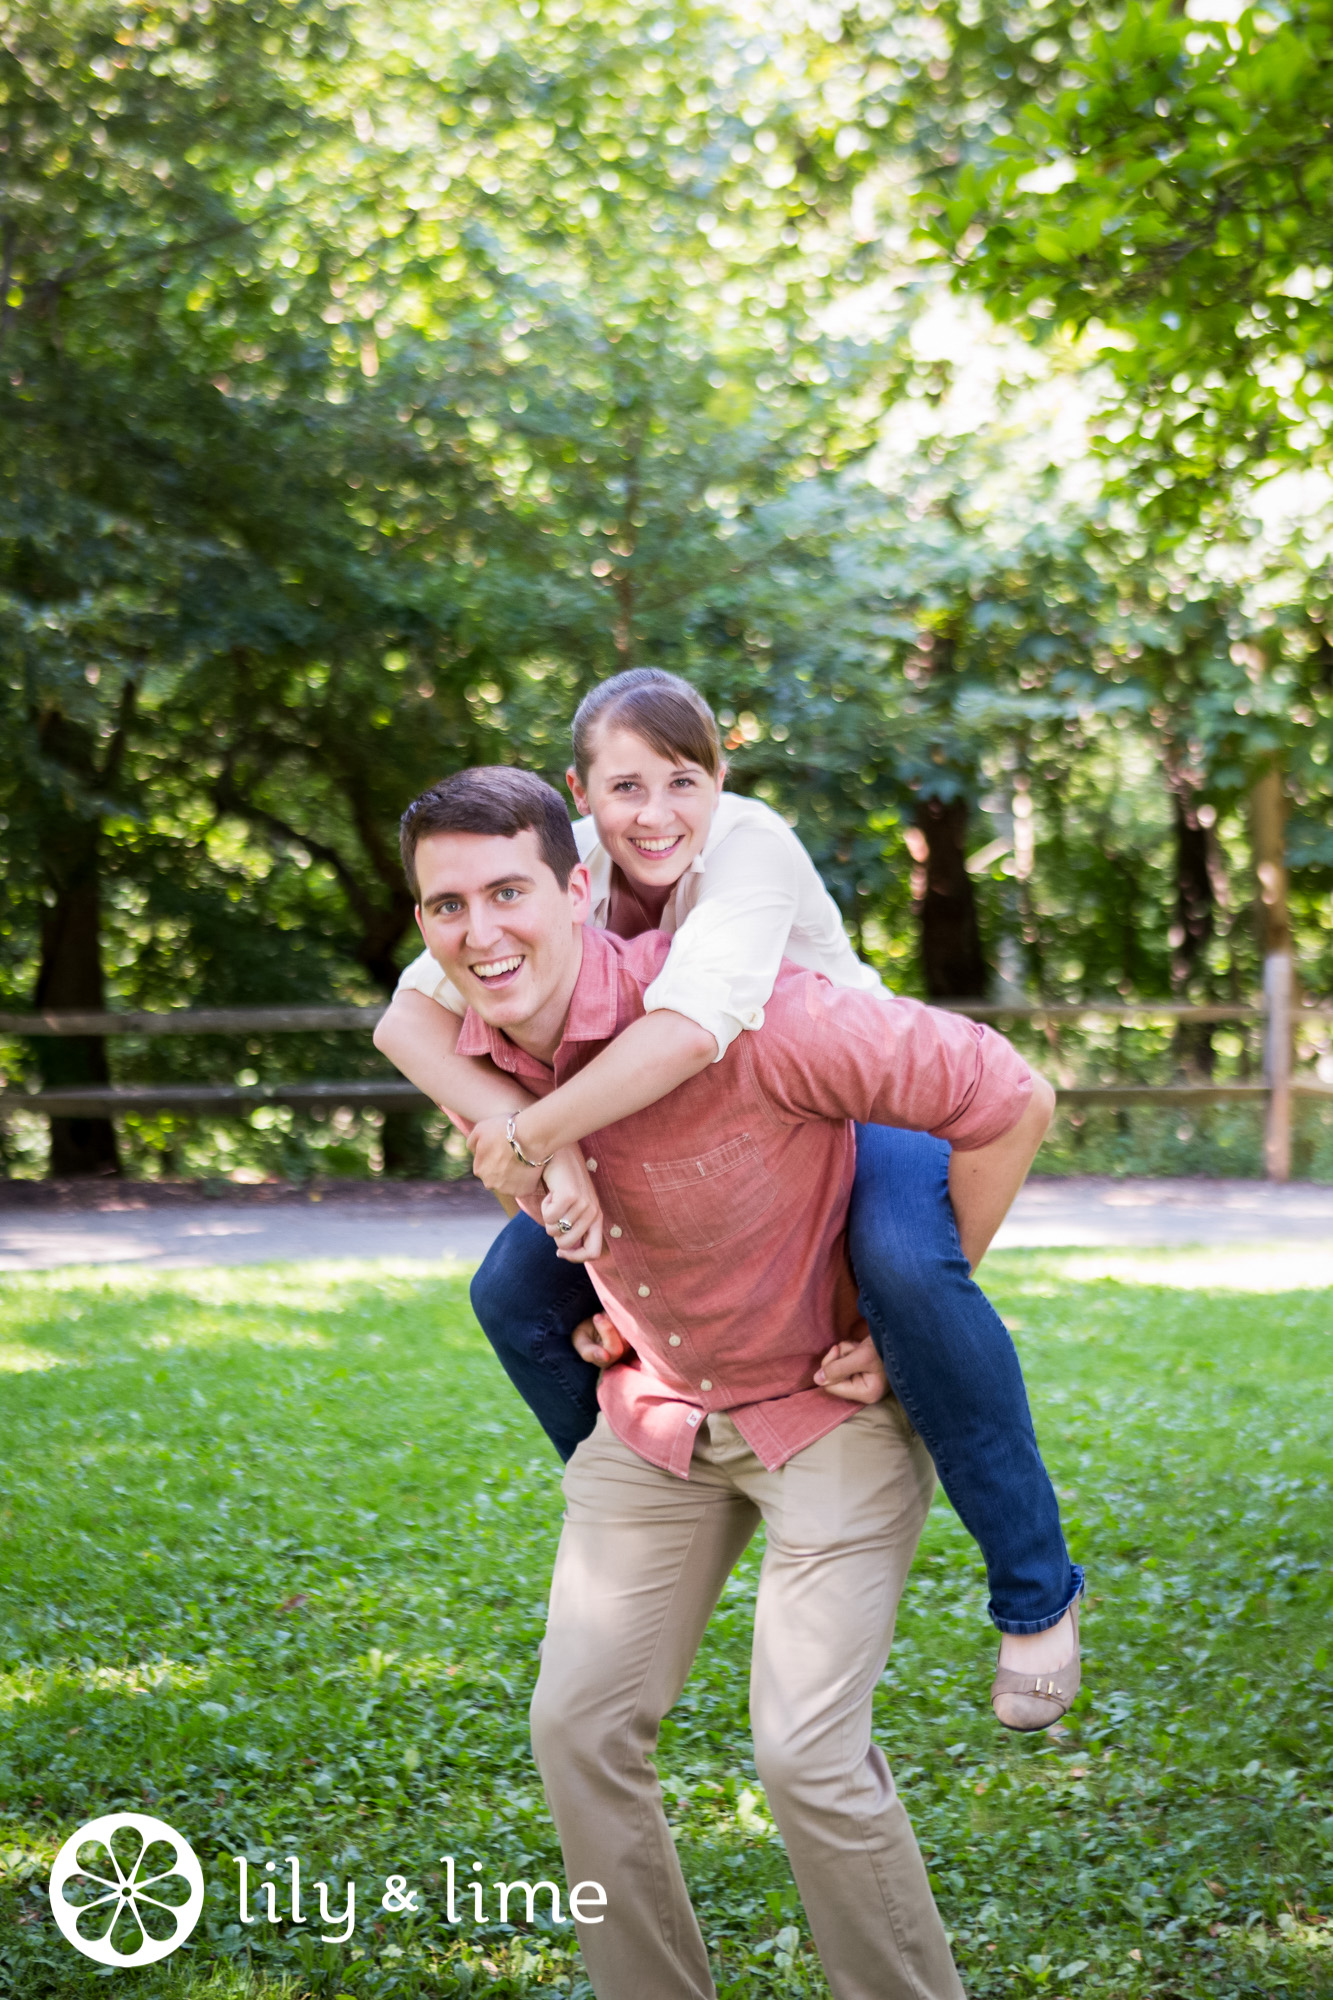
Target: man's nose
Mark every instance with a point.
(484, 927)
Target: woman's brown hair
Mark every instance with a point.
(661, 708)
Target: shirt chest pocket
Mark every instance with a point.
(711, 1197)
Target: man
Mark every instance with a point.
(725, 1281)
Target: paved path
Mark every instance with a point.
(1283, 1230)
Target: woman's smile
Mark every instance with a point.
(656, 849)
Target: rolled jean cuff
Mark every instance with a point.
(1024, 1626)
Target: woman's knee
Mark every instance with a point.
(490, 1292)
(508, 1277)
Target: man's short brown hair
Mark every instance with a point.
(490, 798)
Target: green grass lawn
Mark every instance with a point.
(274, 1546)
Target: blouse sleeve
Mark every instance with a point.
(423, 975)
(724, 959)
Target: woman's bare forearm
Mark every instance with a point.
(983, 1183)
(420, 1038)
(650, 1059)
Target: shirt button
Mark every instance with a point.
(592, 1166)
(616, 1229)
(705, 1385)
(673, 1340)
(644, 1291)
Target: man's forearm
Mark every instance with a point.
(983, 1182)
(420, 1038)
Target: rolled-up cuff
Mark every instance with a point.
(1025, 1626)
(716, 1021)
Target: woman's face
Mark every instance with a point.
(652, 812)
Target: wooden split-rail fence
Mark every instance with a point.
(1276, 1091)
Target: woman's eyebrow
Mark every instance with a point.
(677, 771)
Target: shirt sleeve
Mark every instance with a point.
(832, 1052)
(725, 956)
(423, 975)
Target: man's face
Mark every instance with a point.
(495, 917)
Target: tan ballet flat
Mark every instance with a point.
(1036, 1701)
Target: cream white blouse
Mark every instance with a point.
(751, 898)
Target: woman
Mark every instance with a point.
(668, 848)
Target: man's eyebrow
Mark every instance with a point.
(501, 882)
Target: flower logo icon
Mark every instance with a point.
(135, 1889)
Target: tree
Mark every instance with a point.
(123, 138)
(1178, 194)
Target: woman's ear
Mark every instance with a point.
(721, 777)
(577, 792)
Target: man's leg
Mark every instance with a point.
(641, 1564)
(843, 1519)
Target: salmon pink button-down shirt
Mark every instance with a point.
(724, 1205)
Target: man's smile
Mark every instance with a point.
(498, 971)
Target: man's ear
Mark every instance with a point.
(577, 793)
(420, 926)
(580, 894)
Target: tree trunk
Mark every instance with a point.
(1268, 843)
(951, 956)
(1192, 929)
(403, 1143)
(70, 979)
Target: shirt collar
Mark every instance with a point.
(592, 1017)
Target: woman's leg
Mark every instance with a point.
(954, 1370)
(529, 1302)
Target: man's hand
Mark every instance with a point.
(597, 1340)
(570, 1197)
(495, 1163)
(853, 1370)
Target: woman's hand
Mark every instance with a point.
(596, 1340)
(495, 1163)
(570, 1198)
(853, 1370)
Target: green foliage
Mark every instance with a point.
(1173, 199)
(277, 1545)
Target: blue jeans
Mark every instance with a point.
(946, 1352)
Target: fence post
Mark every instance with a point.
(1277, 1065)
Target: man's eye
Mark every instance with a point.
(506, 895)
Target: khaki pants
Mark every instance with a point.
(642, 1560)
